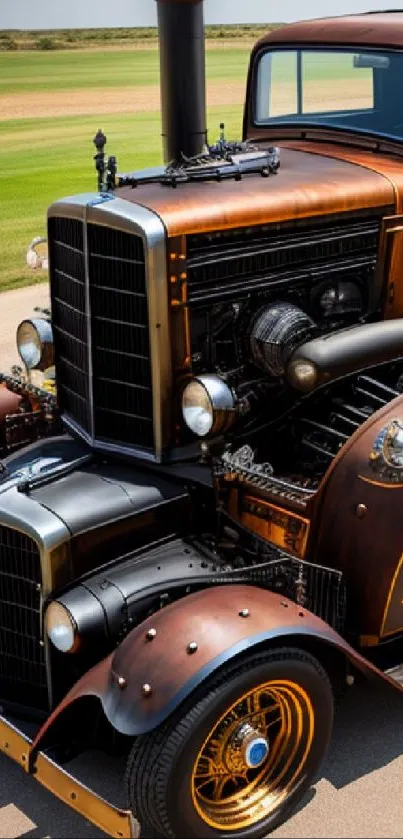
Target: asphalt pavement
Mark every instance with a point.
(358, 794)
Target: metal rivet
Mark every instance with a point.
(350, 680)
(150, 634)
(147, 690)
(361, 511)
(192, 647)
(122, 682)
(244, 613)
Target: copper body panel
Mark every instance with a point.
(9, 402)
(212, 619)
(375, 30)
(307, 186)
(359, 531)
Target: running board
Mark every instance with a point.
(114, 822)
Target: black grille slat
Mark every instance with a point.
(115, 326)
(119, 323)
(66, 241)
(222, 264)
(22, 660)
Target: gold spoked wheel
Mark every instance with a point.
(254, 756)
(238, 757)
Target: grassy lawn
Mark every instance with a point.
(44, 159)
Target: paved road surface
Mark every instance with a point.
(359, 793)
(360, 790)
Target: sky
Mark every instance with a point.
(54, 14)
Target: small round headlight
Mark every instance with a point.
(60, 627)
(35, 343)
(208, 405)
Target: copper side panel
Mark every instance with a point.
(360, 531)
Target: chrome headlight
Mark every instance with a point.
(61, 627)
(208, 405)
(35, 343)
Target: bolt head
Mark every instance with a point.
(150, 634)
(122, 682)
(244, 613)
(192, 648)
(361, 511)
(350, 680)
(147, 690)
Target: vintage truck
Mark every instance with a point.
(212, 549)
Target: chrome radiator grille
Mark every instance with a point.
(100, 320)
(22, 661)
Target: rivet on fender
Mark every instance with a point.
(191, 648)
(122, 682)
(361, 511)
(150, 634)
(244, 613)
(147, 690)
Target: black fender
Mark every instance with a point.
(166, 657)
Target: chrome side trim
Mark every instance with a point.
(21, 513)
(123, 215)
(119, 214)
(88, 325)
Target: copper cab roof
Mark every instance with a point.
(380, 29)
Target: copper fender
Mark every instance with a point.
(167, 656)
(9, 402)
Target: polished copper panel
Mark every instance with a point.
(390, 266)
(359, 531)
(387, 165)
(307, 185)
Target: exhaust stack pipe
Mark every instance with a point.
(183, 84)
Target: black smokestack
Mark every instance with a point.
(183, 85)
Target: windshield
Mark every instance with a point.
(349, 89)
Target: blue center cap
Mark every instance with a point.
(256, 752)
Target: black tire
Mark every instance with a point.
(159, 772)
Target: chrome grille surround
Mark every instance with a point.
(94, 212)
(40, 537)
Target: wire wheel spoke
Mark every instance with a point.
(230, 793)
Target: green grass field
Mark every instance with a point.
(43, 159)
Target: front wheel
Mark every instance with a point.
(239, 756)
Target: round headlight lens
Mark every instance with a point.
(29, 344)
(208, 405)
(60, 627)
(35, 343)
(197, 408)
